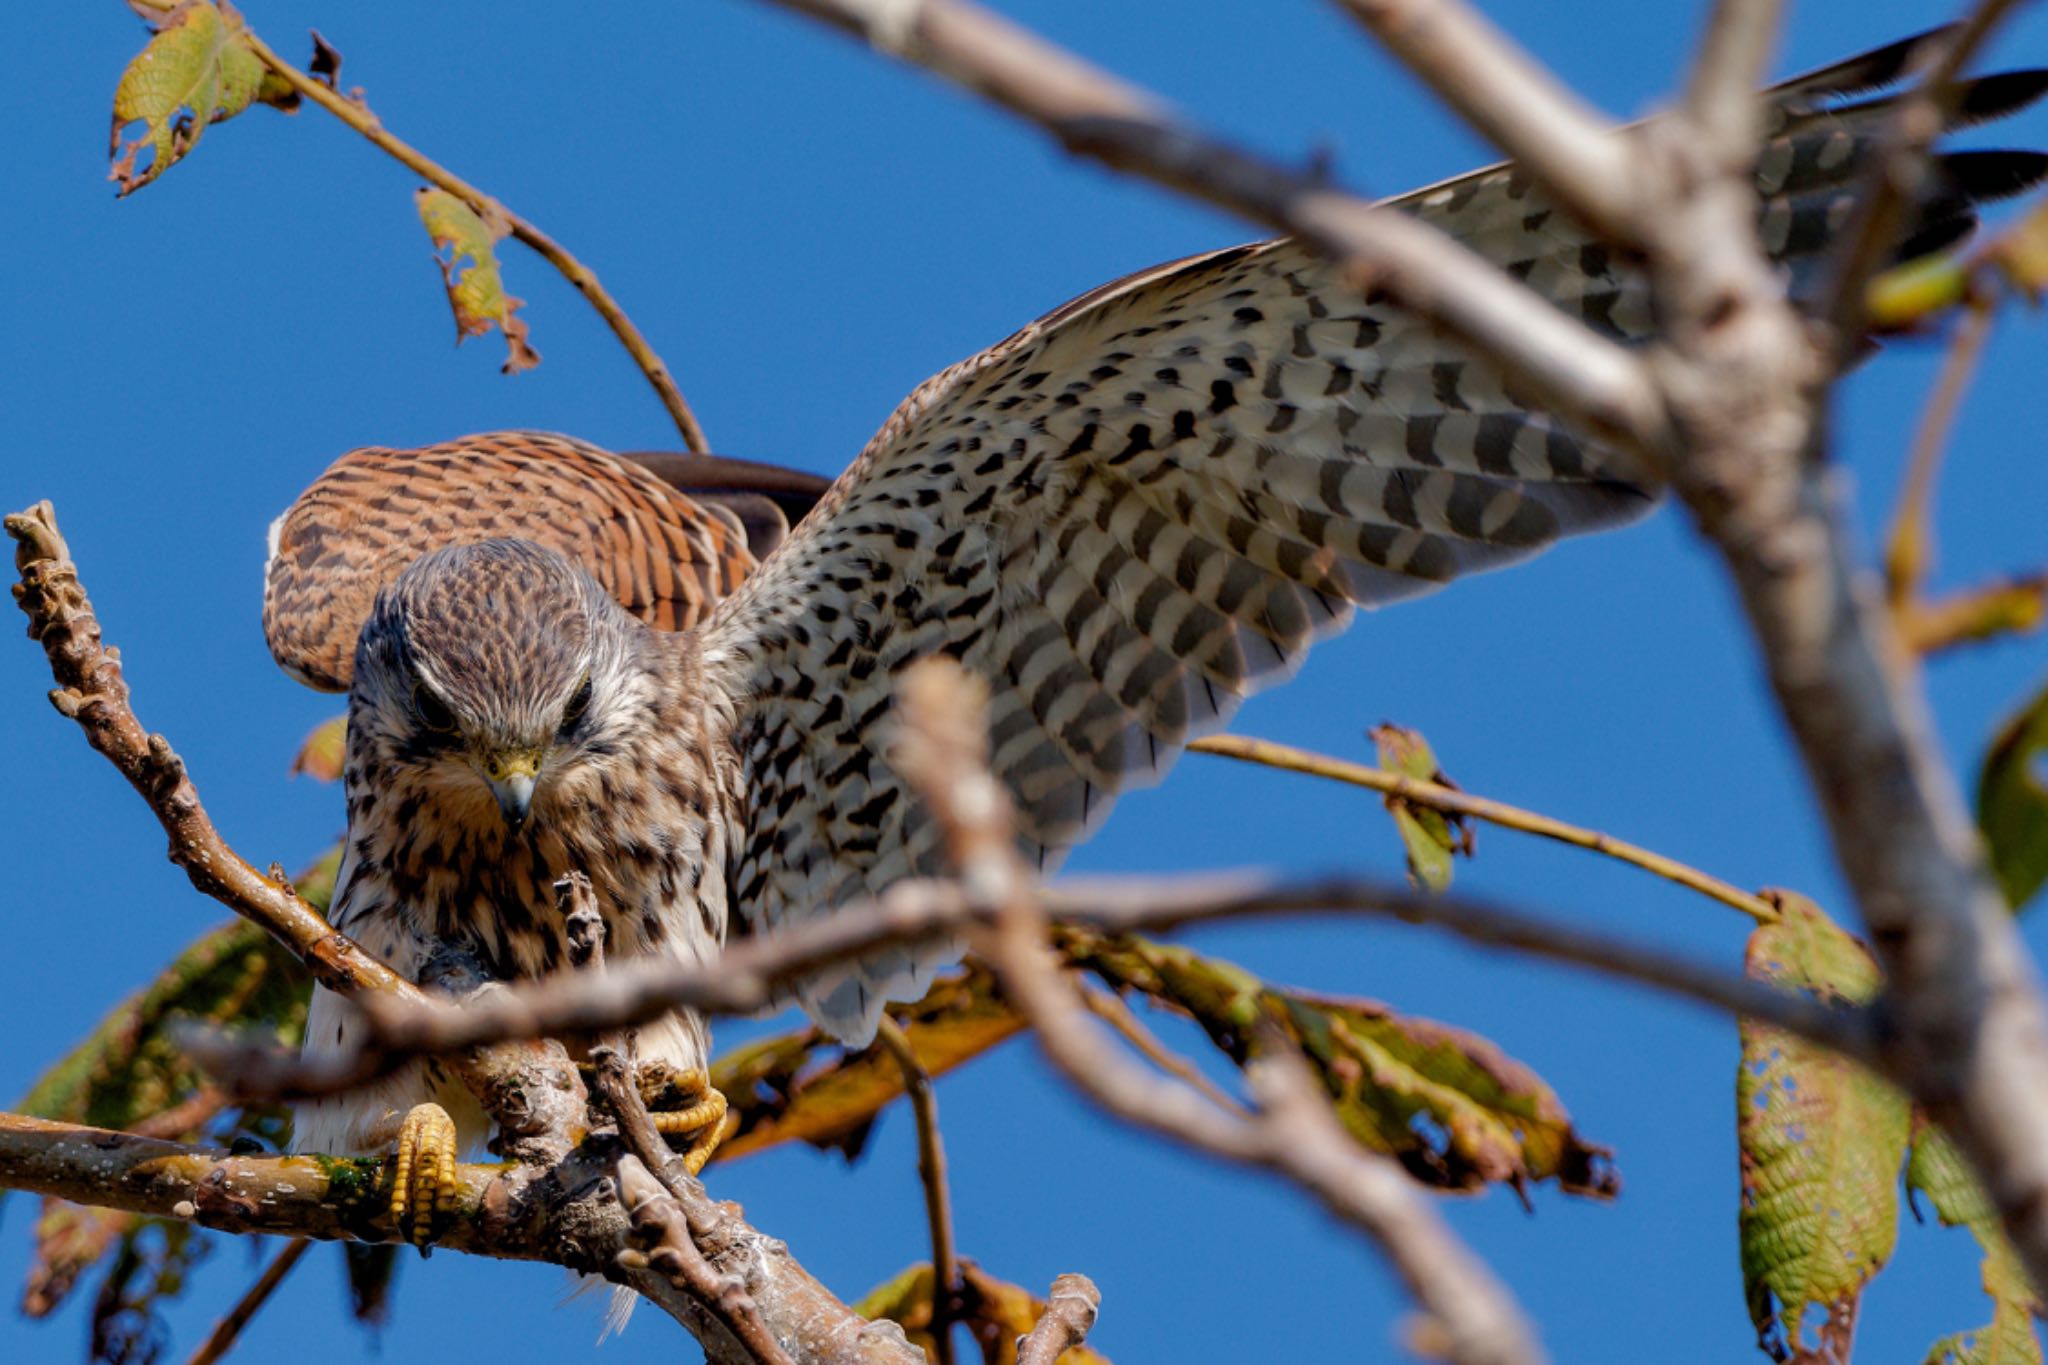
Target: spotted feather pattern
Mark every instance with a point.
(663, 555)
(1142, 508)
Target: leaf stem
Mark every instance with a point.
(225, 1332)
(1455, 802)
(357, 115)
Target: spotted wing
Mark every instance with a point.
(667, 535)
(1143, 507)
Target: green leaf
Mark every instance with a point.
(1938, 1171)
(469, 269)
(1821, 1141)
(1457, 1111)
(197, 70)
(128, 1069)
(2012, 802)
(1429, 836)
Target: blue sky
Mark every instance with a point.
(805, 232)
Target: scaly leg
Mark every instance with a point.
(684, 1104)
(423, 1182)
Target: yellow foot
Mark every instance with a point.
(684, 1105)
(423, 1186)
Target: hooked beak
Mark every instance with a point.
(511, 778)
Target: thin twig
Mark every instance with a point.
(931, 1170)
(357, 115)
(942, 752)
(222, 1339)
(187, 1116)
(1896, 168)
(652, 1182)
(1597, 383)
(1070, 1311)
(1452, 801)
(1111, 1009)
(751, 973)
(1909, 550)
(1481, 74)
(2006, 607)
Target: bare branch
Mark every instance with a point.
(1720, 98)
(1572, 370)
(92, 692)
(931, 1172)
(1481, 74)
(653, 1183)
(750, 974)
(228, 1330)
(1110, 1008)
(1909, 550)
(1453, 801)
(1070, 1311)
(943, 754)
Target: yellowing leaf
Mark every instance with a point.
(1938, 1171)
(1429, 836)
(1905, 296)
(322, 753)
(195, 71)
(1453, 1108)
(2012, 802)
(1821, 1141)
(996, 1312)
(799, 1087)
(465, 247)
(2021, 251)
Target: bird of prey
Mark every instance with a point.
(1125, 517)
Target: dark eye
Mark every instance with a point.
(432, 711)
(579, 702)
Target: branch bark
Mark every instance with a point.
(1597, 383)
(942, 752)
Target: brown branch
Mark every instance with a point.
(931, 1172)
(1720, 94)
(92, 692)
(1070, 1311)
(1480, 73)
(751, 973)
(654, 1185)
(1909, 550)
(1576, 373)
(942, 752)
(1452, 801)
(1745, 377)
(356, 114)
(222, 1338)
(1110, 1008)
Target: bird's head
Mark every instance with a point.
(491, 672)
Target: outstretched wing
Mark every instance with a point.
(667, 535)
(1140, 509)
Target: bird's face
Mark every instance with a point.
(488, 676)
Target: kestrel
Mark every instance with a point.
(1126, 517)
